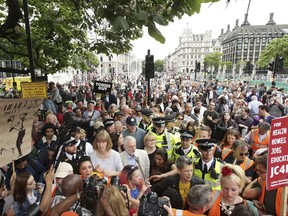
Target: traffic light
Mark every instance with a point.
(198, 65)
(248, 67)
(280, 64)
(149, 66)
(271, 66)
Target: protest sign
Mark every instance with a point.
(102, 87)
(16, 120)
(277, 166)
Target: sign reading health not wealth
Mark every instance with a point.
(277, 166)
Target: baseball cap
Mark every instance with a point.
(63, 170)
(98, 124)
(131, 120)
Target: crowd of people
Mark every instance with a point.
(197, 148)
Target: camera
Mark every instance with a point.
(92, 190)
(115, 181)
(152, 205)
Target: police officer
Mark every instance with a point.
(170, 125)
(163, 137)
(69, 154)
(185, 147)
(146, 122)
(207, 166)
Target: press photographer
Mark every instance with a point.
(152, 205)
(94, 194)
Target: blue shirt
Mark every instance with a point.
(134, 193)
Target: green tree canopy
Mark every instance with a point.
(159, 65)
(277, 46)
(213, 59)
(64, 29)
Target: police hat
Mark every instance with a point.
(70, 142)
(131, 120)
(206, 144)
(186, 134)
(108, 122)
(170, 118)
(146, 112)
(158, 120)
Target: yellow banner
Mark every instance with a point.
(34, 90)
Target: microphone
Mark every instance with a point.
(141, 170)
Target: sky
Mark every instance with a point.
(213, 18)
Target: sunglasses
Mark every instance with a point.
(246, 154)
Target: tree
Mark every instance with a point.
(213, 60)
(159, 65)
(228, 65)
(277, 46)
(63, 29)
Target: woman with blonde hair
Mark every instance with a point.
(232, 182)
(115, 200)
(105, 159)
(150, 145)
(51, 118)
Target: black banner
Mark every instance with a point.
(102, 87)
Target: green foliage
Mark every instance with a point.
(277, 46)
(228, 65)
(159, 65)
(68, 32)
(213, 60)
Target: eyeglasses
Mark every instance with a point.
(246, 154)
(180, 119)
(153, 140)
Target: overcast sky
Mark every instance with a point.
(212, 18)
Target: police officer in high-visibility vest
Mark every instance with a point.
(146, 121)
(185, 147)
(207, 167)
(163, 137)
(170, 126)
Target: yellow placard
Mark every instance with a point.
(34, 90)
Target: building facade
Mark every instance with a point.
(246, 42)
(114, 65)
(191, 48)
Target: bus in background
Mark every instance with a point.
(8, 82)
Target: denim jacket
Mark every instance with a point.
(21, 210)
